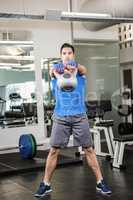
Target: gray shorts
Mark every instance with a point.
(64, 127)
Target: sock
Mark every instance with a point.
(46, 183)
(99, 181)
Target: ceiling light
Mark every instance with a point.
(6, 67)
(89, 44)
(10, 64)
(13, 50)
(103, 57)
(16, 42)
(98, 58)
(84, 15)
(112, 58)
(17, 57)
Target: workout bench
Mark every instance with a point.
(106, 126)
(121, 142)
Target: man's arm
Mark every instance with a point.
(51, 72)
(82, 70)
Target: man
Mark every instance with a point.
(70, 118)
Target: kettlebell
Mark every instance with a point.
(67, 81)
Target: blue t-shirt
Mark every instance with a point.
(70, 103)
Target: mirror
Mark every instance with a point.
(17, 83)
(101, 59)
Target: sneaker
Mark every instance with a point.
(103, 188)
(43, 190)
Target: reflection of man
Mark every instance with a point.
(70, 117)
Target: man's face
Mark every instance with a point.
(67, 54)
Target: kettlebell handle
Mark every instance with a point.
(57, 75)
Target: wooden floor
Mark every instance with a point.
(72, 183)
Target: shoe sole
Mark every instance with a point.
(46, 193)
(100, 190)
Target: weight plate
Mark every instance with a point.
(25, 146)
(35, 145)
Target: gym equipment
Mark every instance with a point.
(15, 116)
(16, 102)
(2, 108)
(106, 127)
(27, 146)
(124, 110)
(126, 95)
(121, 142)
(30, 112)
(48, 112)
(126, 101)
(73, 63)
(125, 128)
(29, 158)
(34, 145)
(67, 81)
(59, 67)
(95, 111)
(13, 119)
(2, 104)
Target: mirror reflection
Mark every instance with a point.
(17, 84)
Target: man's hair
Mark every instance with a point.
(67, 45)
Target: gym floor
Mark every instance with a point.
(75, 182)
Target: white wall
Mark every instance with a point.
(50, 37)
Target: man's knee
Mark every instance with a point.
(54, 151)
(88, 150)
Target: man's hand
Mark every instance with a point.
(73, 64)
(59, 68)
(82, 70)
(70, 66)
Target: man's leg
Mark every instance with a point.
(51, 163)
(93, 163)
